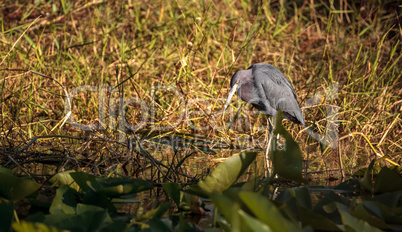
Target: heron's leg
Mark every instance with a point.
(271, 129)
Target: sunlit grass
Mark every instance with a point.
(194, 48)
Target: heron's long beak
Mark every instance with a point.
(231, 93)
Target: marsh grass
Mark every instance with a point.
(132, 47)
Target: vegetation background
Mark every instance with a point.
(49, 48)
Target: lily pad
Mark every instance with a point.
(287, 161)
(225, 175)
(14, 188)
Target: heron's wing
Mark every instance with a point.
(273, 73)
(279, 95)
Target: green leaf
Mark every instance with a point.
(387, 181)
(157, 212)
(367, 181)
(267, 212)
(302, 194)
(251, 184)
(390, 199)
(115, 226)
(113, 187)
(84, 180)
(14, 189)
(98, 199)
(173, 190)
(6, 215)
(360, 173)
(156, 225)
(6, 171)
(25, 226)
(317, 221)
(64, 201)
(222, 222)
(374, 208)
(322, 206)
(253, 223)
(352, 223)
(290, 199)
(64, 178)
(348, 186)
(287, 161)
(184, 226)
(88, 218)
(226, 206)
(224, 175)
(374, 217)
(84, 209)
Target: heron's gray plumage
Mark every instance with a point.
(267, 89)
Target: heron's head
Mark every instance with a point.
(235, 83)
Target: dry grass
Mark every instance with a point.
(192, 47)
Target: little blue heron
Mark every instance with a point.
(267, 89)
